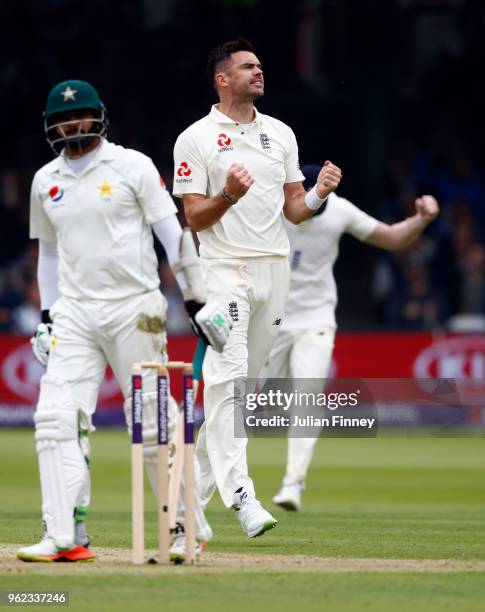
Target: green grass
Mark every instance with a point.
(409, 498)
(333, 592)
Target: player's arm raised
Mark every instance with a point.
(202, 212)
(301, 205)
(400, 235)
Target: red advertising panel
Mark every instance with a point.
(409, 355)
(20, 374)
(357, 355)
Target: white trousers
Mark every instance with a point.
(300, 354)
(89, 336)
(92, 334)
(254, 293)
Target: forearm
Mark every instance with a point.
(205, 212)
(47, 274)
(301, 205)
(296, 210)
(169, 233)
(398, 235)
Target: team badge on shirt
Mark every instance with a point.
(106, 191)
(233, 311)
(264, 141)
(295, 260)
(224, 142)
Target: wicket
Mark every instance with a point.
(164, 503)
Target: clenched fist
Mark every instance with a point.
(427, 207)
(328, 179)
(238, 181)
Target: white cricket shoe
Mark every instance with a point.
(289, 497)
(178, 545)
(47, 551)
(253, 518)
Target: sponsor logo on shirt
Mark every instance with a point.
(277, 321)
(224, 142)
(264, 141)
(56, 193)
(183, 171)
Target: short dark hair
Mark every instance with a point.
(223, 52)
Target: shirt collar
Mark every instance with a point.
(105, 152)
(218, 117)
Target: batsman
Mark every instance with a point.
(93, 210)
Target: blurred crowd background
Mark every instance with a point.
(392, 91)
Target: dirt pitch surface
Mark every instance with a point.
(118, 561)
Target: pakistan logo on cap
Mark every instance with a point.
(69, 94)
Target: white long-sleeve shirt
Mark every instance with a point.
(314, 246)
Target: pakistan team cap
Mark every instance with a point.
(72, 95)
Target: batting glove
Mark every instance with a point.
(41, 342)
(210, 323)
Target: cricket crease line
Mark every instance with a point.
(118, 561)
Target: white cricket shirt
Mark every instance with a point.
(314, 245)
(101, 220)
(267, 147)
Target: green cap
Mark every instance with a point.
(72, 95)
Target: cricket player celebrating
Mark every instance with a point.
(237, 171)
(93, 209)
(304, 346)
